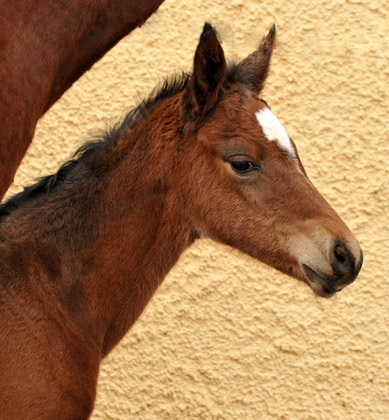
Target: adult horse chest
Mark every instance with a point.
(84, 250)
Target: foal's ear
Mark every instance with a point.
(254, 68)
(208, 71)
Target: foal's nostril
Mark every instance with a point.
(342, 260)
(340, 255)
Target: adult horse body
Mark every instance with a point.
(82, 251)
(44, 48)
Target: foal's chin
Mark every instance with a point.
(320, 290)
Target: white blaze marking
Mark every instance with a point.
(274, 130)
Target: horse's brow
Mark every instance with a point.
(238, 145)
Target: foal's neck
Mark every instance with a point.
(131, 261)
(141, 236)
(116, 236)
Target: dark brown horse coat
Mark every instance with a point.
(45, 46)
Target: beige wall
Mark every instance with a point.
(226, 337)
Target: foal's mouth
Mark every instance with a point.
(320, 284)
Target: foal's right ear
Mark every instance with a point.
(254, 68)
(208, 71)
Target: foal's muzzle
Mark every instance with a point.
(345, 268)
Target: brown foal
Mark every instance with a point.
(82, 251)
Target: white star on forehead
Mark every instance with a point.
(275, 131)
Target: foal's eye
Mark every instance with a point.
(242, 166)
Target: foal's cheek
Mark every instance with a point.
(253, 189)
(256, 196)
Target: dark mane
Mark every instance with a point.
(101, 144)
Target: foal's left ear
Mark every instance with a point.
(254, 68)
(208, 71)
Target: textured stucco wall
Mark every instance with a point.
(226, 337)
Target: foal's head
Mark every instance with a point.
(209, 158)
(246, 184)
